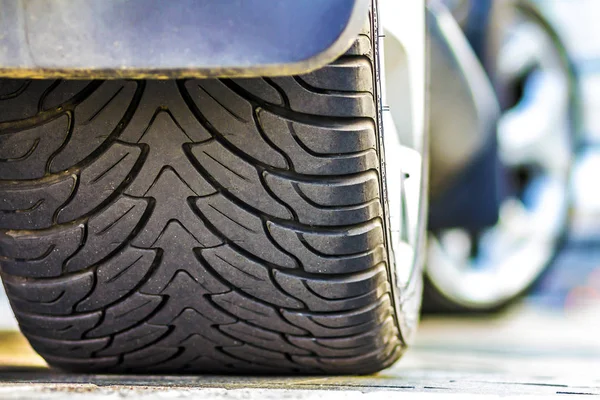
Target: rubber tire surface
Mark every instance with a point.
(200, 225)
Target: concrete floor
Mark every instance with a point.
(527, 352)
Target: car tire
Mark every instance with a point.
(232, 225)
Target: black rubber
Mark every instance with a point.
(200, 225)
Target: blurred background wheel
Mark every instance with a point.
(474, 267)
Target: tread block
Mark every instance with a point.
(296, 194)
(344, 323)
(242, 229)
(337, 294)
(326, 137)
(107, 231)
(118, 276)
(202, 329)
(198, 341)
(161, 96)
(233, 117)
(255, 312)
(20, 98)
(171, 204)
(362, 364)
(262, 89)
(68, 327)
(184, 292)
(344, 191)
(310, 100)
(349, 346)
(63, 91)
(39, 254)
(238, 177)
(333, 138)
(261, 338)
(51, 296)
(95, 118)
(361, 47)
(262, 357)
(165, 140)
(301, 142)
(25, 154)
(201, 354)
(86, 364)
(75, 348)
(149, 357)
(345, 72)
(346, 241)
(177, 256)
(248, 276)
(341, 251)
(31, 206)
(131, 311)
(100, 180)
(133, 339)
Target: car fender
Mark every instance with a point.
(174, 39)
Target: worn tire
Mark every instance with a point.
(201, 225)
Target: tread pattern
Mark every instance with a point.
(200, 225)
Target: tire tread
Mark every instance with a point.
(200, 225)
